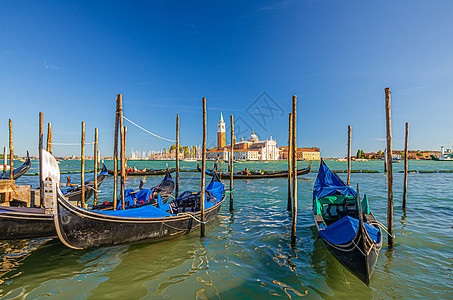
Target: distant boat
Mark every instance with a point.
(18, 171)
(445, 155)
(257, 175)
(189, 159)
(342, 159)
(144, 172)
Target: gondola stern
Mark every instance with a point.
(104, 169)
(168, 174)
(57, 220)
(215, 177)
(369, 251)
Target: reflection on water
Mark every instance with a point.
(12, 253)
(247, 253)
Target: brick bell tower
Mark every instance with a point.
(221, 133)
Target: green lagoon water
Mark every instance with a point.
(247, 254)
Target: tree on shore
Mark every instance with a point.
(193, 151)
(360, 154)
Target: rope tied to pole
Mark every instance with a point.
(192, 216)
(382, 226)
(226, 193)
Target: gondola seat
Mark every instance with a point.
(337, 206)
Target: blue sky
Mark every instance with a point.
(70, 59)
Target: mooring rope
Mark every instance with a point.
(65, 212)
(192, 216)
(358, 247)
(382, 226)
(159, 137)
(226, 193)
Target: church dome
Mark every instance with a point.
(253, 137)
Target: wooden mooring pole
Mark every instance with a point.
(49, 138)
(11, 151)
(349, 156)
(125, 143)
(122, 152)
(290, 157)
(40, 147)
(115, 155)
(388, 115)
(82, 166)
(123, 181)
(294, 165)
(406, 153)
(177, 157)
(203, 169)
(96, 166)
(231, 162)
(5, 158)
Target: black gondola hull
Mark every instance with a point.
(146, 173)
(25, 223)
(82, 229)
(360, 260)
(18, 172)
(280, 174)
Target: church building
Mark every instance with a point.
(221, 133)
(251, 149)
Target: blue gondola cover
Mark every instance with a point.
(328, 183)
(345, 229)
(132, 197)
(147, 211)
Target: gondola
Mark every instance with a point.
(75, 193)
(145, 173)
(18, 171)
(80, 228)
(353, 238)
(34, 222)
(25, 223)
(256, 175)
(141, 197)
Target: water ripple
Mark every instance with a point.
(247, 253)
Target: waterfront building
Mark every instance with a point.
(224, 154)
(306, 153)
